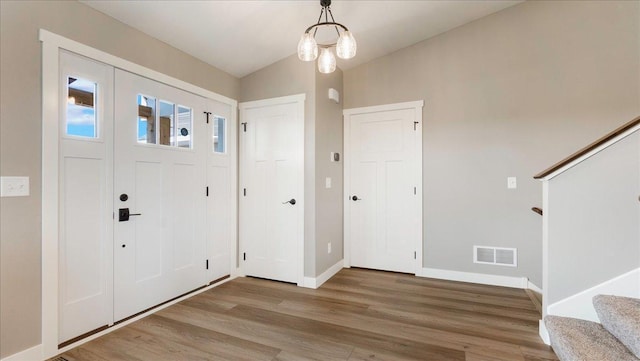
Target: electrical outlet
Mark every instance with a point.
(329, 247)
(512, 183)
(14, 186)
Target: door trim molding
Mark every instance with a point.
(296, 98)
(289, 99)
(347, 113)
(418, 105)
(51, 46)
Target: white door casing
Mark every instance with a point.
(161, 253)
(86, 188)
(383, 171)
(271, 194)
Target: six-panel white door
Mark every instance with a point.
(160, 177)
(384, 203)
(271, 182)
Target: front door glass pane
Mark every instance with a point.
(81, 111)
(219, 134)
(184, 126)
(146, 119)
(166, 120)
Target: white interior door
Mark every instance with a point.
(383, 169)
(86, 188)
(160, 178)
(271, 182)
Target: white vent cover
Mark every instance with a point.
(495, 255)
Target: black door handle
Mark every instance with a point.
(123, 214)
(355, 198)
(292, 201)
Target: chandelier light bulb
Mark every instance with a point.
(327, 61)
(307, 48)
(346, 47)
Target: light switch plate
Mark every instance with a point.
(512, 183)
(14, 186)
(327, 182)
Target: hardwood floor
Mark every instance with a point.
(357, 315)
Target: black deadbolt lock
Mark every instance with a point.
(124, 197)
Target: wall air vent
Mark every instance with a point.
(495, 255)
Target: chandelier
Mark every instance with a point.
(308, 47)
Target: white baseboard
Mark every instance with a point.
(543, 333)
(30, 354)
(580, 305)
(533, 287)
(238, 272)
(480, 278)
(315, 282)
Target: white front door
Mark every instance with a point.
(383, 183)
(86, 188)
(271, 188)
(160, 181)
(221, 190)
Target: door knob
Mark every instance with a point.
(355, 198)
(292, 201)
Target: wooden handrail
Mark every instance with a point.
(588, 148)
(537, 210)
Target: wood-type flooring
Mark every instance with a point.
(356, 315)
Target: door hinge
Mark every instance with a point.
(415, 124)
(207, 264)
(244, 256)
(415, 190)
(207, 114)
(415, 255)
(244, 126)
(244, 192)
(207, 192)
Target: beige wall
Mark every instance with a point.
(507, 95)
(329, 201)
(323, 134)
(20, 134)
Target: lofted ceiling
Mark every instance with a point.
(240, 36)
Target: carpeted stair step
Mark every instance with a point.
(579, 340)
(621, 317)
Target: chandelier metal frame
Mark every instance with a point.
(326, 11)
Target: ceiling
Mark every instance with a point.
(241, 36)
